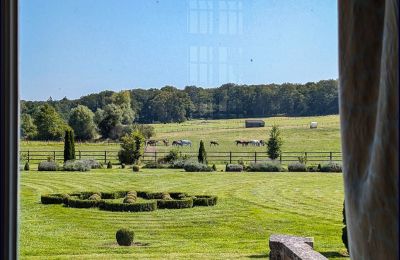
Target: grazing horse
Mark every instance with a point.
(177, 143)
(243, 143)
(262, 142)
(214, 143)
(166, 142)
(186, 142)
(255, 142)
(151, 142)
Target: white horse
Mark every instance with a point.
(186, 142)
(255, 142)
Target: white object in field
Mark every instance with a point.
(313, 125)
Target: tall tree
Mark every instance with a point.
(49, 123)
(202, 156)
(28, 127)
(274, 143)
(81, 121)
(68, 153)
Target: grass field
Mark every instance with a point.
(251, 207)
(296, 134)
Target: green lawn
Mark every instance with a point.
(251, 207)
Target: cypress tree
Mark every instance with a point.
(72, 140)
(274, 143)
(67, 145)
(202, 157)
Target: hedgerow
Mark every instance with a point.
(131, 207)
(234, 168)
(175, 204)
(265, 167)
(53, 198)
(204, 200)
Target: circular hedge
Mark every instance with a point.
(124, 237)
(129, 203)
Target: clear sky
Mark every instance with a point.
(76, 47)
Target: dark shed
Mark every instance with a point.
(254, 123)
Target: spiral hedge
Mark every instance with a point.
(106, 200)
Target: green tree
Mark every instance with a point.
(344, 230)
(112, 116)
(274, 143)
(81, 120)
(69, 146)
(202, 157)
(49, 123)
(28, 127)
(132, 148)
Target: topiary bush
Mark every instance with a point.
(26, 167)
(95, 196)
(312, 168)
(77, 165)
(204, 200)
(53, 198)
(131, 207)
(214, 167)
(234, 168)
(48, 166)
(175, 204)
(297, 167)
(109, 165)
(265, 167)
(124, 237)
(197, 167)
(123, 165)
(135, 168)
(179, 163)
(155, 165)
(331, 167)
(79, 203)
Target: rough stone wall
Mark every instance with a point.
(368, 79)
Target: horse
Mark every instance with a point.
(166, 142)
(151, 142)
(214, 143)
(177, 143)
(186, 142)
(262, 142)
(243, 143)
(255, 142)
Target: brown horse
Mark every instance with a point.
(166, 142)
(214, 143)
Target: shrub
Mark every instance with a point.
(234, 168)
(69, 146)
(179, 163)
(214, 167)
(95, 196)
(173, 155)
(79, 203)
(155, 195)
(53, 198)
(124, 237)
(26, 167)
(302, 159)
(135, 168)
(175, 204)
(109, 165)
(202, 156)
(331, 167)
(197, 167)
(297, 167)
(204, 200)
(274, 143)
(178, 195)
(48, 166)
(123, 165)
(77, 165)
(265, 167)
(131, 207)
(312, 168)
(111, 195)
(154, 165)
(132, 148)
(129, 200)
(93, 163)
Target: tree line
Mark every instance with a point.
(111, 114)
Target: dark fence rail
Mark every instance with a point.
(221, 157)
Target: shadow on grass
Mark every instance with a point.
(330, 254)
(265, 255)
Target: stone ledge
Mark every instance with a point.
(286, 247)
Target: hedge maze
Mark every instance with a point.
(128, 200)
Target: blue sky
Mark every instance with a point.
(77, 47)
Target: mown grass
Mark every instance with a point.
(251, 207)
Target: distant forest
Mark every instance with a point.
(121, 109)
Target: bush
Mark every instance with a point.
(132, 148)
(53, 198)
(79, 203)
(197, 167)
(123, 165)
(173, 155)
(26, 167)
(154, 165)
(297, 167)
(93, 163)
(135, 168)
(214, 167)
(109, 165)
(124, 237)
(131, 207)
(77, 165)
(265, 167)
(204, 200)
(180, 163)
(95, 196)
(312, 168)
(178, 195)
(175, 204)
(84, 195)
(234, 168)
(331, 167)
(48, 166)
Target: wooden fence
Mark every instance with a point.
(217, 157)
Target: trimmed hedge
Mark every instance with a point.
(131, 207)
(79, 203)
(175, 204)
(265, 167)
(53, 198)
(178, 195)
(331, 167)
(234, 168)
(312, 168)
(48, 166)
(204, 200)
(77, 165)
(155, 165)
(197, 167)
(297, 167)
(124, 237)
(135, 168)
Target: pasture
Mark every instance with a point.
(251, 207)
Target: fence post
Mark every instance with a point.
(330, 156)
(280, 158)
(105, 156)
(255, 157)
(230, 157)
(28, 156)
(305, 156)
